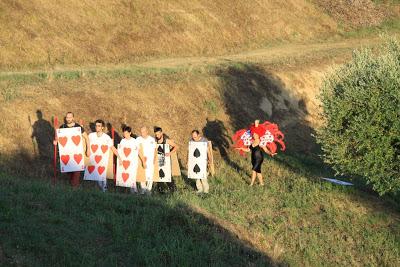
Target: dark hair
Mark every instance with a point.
(127, 129)
(70, 112)
(103, 124)
(157, 129)
(196, 131)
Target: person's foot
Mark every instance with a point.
(261, 184)
(199, 192)
(251, 184)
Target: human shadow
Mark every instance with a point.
(43, 135)
(216, 132)
(250, 92)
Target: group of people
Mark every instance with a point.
(145, 144)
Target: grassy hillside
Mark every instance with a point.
(53, 33)
(295, 220)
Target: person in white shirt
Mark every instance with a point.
(149, 147)
(100, 137)
(130, 141)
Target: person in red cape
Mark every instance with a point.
(258, 139)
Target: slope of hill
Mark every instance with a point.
(50, 33)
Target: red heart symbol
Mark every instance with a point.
(63, 140)
(76, 139)
(65, 159)
(94, 148)
(78, 158)
(97, 158)
(127, 151)
(101, 169)
(126, 164)
(125, 176)
(91, 168)
(104, 148)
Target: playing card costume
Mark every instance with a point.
(270, 136)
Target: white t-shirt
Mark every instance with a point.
(148, 144)
(103, 139)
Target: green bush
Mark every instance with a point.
(361, 111)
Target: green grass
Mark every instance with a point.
(295, 220)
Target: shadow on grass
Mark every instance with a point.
(88, 228)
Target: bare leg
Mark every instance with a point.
(253, 177)
(260, 179)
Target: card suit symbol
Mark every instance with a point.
(125, 164)
(91, 168)
(97, 158)
(127, 151)
(78, 158)
(196, 153)
(125, 176)
(76, 139)
(160, 149)
(196, 169)
(104, 148)
(63, 140)
(101, 169)
(94, 148)
(161, 173)
(65, 159)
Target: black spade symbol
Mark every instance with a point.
(160, 150)
(161, 173)
(196, 169)
(196, 153)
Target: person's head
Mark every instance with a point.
(256, 137)
(196, 135)
(99, 124)
(144, 131)
(39, 114)
(127, 132)
(69, 117)
(158, 132)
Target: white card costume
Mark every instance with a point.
(70, 149)
(128, 149)
(96, 169)
(149, 147)
(197, 162)
(164, 163)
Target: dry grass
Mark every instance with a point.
(49, 33)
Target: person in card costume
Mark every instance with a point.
(257, 139)
(149, 147)
(130, 141)
(202, 184)
(100, 137)
(163, 139)
(69, 122)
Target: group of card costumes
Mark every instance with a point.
(129, 168)
(159, 168)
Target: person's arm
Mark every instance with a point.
(141, 157)
(155, 156)
(88, 150)
(209, 151)
(243, 149)
(86, 138)
(265, 148)
(115, 151)
(175, 148)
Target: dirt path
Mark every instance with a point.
(268, 55)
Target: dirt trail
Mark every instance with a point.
(268, 55)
